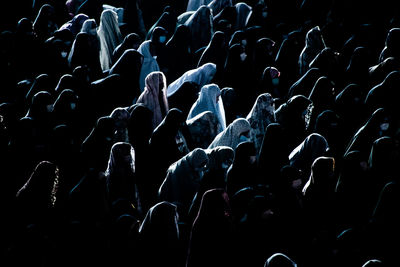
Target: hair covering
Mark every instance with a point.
(391, 45)
(220, 157)
(273, 153)
(177, 56)
(44, 25)
(121, 117)
(131, 41)
(184, 98)
(84, 53)
(149, 63)
(319, 197)
(314, 44)
(154, 96)
(385, 94)
(203, 129)
(210, 239)
(193, 5)
(183, 179)
(201, 27)
(128, 67)
(243, 12)
(75, 24)
(39, 193)
(120, 174)
(314, 146)
(376, 126)
(241, 173)
(64, 107)
(40, 106)
(231, 135)
(279, 260)
(260, 116)
(216, 51)
(209, 100)
(201, 75)
(373, 263)
(89, 26)
(321, 169)
(218, 5)
(110, 37)
(159, 236)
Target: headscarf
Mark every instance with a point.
(120, 174)
(39, 193)
(185, 96)
(40, 106)
(159, 235)
(201, 75)
(83, 53)
(149, 63)
(178, 57)
(215, 52)
(128, 67)
(75, 25)
(273, 154)
(242, 173)
(391, 44)
(44, 25)
(218, 5)
(231, 136)
(183, 179)
(65, 107)
(243, 12)
(279, 260)
(314, 44)
(210, 241)
(121, 117)
(203, 129)
(379, 124)
(220, 157)
(89, 26)
(305, 83)
(322, 170)
(110, 37)
(209, 100)
(95, 148)
(260, 116)
(294, 116)
(201, 27)
(193, 5)
(131, 41)
(154, 96)
(302, 157)
(385, 94)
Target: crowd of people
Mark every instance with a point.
(199, 133)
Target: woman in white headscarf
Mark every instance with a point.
(150, 50)
(210, 100)
(260, 116)
(236, 132)
(314, 44)
(110, 37)
(154, 96)
(183, 180)
(201, 76)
